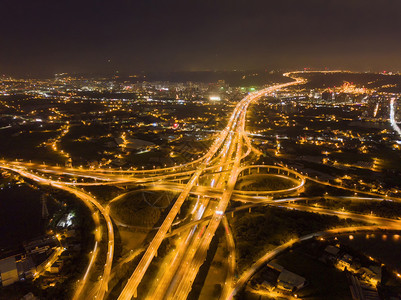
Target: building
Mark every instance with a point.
(332, 250)
(8, 271)
(345, 262)
(289, 281)
(373, 274)
(29, 296)
(26, 267)
(56, 266)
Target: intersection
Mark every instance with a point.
(211, 179)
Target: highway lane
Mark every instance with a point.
(191, 266)
(163, 283)
(191, 270)
(100, 178)
(289, 203)
(187, 263)
(132, 284)
(108, 172)
(215, 181)
(130, 288)
(231, 259)
(354, 190)
(342, 214)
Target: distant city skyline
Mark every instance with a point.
(50, 37)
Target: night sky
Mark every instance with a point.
(46, 37)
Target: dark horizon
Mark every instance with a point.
(48, 37)
(206, 76)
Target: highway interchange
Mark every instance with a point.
(210, 180)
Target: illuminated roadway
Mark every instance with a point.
(235, 125)
(211, 179)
